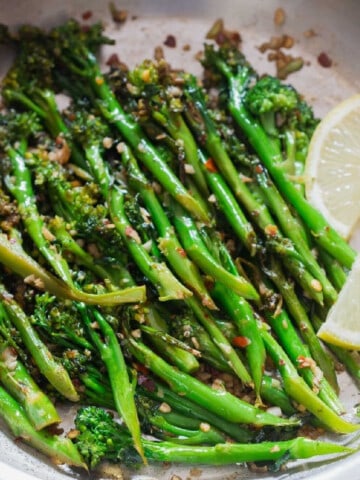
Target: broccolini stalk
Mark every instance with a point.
(299, 315)
(291, 260)
(334, 270)
(174, 123)
(168, 242)
(263, 219)
(14, 257)
(232, 453)
(111, 354)
(273, 393)
(96, 426)
(48, 366)
(175, 350)
(72, 53)
(207, 321)
(196, 249)
(237, 74)
(174, 426)
(221, 161)
(21, 187)
(250, 340)
(57, 226)
(239, 311)
(18, 382)
(186, 327)
(168, 286)
(297, 389)
(58, 449)
(193, 410)
(222, 403)
(301, 358)
(292, 229)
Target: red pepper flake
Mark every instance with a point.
(271, 230)
(170, 41)
(241, 342)
(210, 165)
(324, 60)
(259, 169)
(181, 251)
(140, 367)
(86, 15)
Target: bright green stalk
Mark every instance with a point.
(111, 354)
(16, 259)
(292, 228)
(58, 228)
(297, 389)
(145, 151)
(185, 436)
(176, 351)
(222, 403)
(233, 453)
(169, 244)
(299, 315)
(239, 311)
(242, 315)
(100, 172)
(58, 449)
(274, 394)
(19, 383)
(168, 286)
(174, 123)
(334, 270)
(323, 233)
(191, 409)
(48, 366)
(196, 249)
(207, 321)
(229, 205)
(299, 353)
(21, 187)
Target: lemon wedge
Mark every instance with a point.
(342, 324)
(332, 171)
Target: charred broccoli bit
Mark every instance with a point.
(159, 259)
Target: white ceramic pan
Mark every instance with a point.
(336, 29)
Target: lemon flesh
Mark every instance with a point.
(332, 172)
(342, 325)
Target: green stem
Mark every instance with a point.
(113, 358)
(145, 151)
(22, 190)
(58, 449)
(19, 383)
(168, 286)
(48, 366)
(323, 233)
(222, 403)
(297, 389)
(232, 453)
(16, 259)
(169, 244)
(197, 250)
